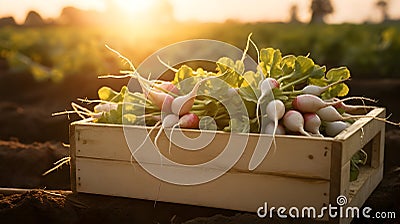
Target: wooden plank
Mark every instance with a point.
(336, 175)
(377, 149)
(294, 155)
(360, 133)
(361, 189)
(72, 153)
(237, 191)
(345, 180)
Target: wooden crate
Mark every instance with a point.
(302, 172)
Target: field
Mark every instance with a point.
(43, 69)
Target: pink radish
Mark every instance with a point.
(308, 103)
(183, 104)
(312, 123)
(160, 99)
(270, 127)
(294, 121)
(334, 128)
(267, 85)
(168, 87)
(318, 90)
(189, 121)
(186, 121)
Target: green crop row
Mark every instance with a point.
(369, 51)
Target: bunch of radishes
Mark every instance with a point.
(306, 114)
(285, 95)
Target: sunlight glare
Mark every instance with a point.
(134, 6)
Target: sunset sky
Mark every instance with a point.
(210, 10)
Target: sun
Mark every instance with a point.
(134, 6)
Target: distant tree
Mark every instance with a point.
(319, 9)
(33, 19)
(383, 5)
(74, 16)
(7, 21)
(293, 14)
(70, 15)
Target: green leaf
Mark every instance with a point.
(224, 64)
(185, 79)
(183, 73)
(129, 119)
(318, 72)
(336, 74)
(358, 159)
(119, 98)
(287, 64)
(354, 172)
(302, 67)
(207, 123)
(232, 78)
(239, 67)
(271, 62)
(237, 126)
(247, 93)
(106, 93)
(232, 71)
(252, 79)
(318, 82)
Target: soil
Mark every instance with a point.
(31, 141)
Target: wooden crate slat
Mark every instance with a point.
(300, 158)
(238, 191)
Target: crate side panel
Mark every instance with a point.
(73, 141)
(360, 133)
(238, 191)
(362, 188)
(295, 156)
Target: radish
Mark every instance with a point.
(318, 90)
(183, 104)
(275, 111)
(173, 121)
(294, 121)
(334, 128)
(329, 114)
(312, 122)
(189, 121)
(270, 127)
(162, 100)
(266, 86)
(308, 103)
(168, 121)
(168, 87)
(105, 107)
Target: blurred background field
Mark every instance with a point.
(72, 43)
(53, 52)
